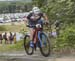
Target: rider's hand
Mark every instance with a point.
(46, 22)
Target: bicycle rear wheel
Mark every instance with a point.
(45, 45)
(29, 50)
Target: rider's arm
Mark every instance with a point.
(29, 16)
(45, 17)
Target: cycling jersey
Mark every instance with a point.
(34, 15)
(37, 21)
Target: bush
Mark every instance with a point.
(66, 39)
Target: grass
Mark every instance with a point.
(11, 47)
(14, 27)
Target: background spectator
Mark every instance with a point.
(5, 38)
(1, 38)
(11, 38)
(14, 38)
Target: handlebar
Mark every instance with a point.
(31, 25)
(37, 25)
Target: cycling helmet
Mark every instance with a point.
(30, 11)
(36, 10)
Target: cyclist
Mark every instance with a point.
(35, 17)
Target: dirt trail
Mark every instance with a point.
(22, 56)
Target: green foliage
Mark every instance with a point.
(63, 10)
(23, 31)
(66, 38)
(39, 3)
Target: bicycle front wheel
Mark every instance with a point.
(29, 50)
(45, 44)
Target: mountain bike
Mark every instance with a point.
(42, 42)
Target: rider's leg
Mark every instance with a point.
(31, 36)
(31, 33)
(35, 37)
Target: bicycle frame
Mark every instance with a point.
(36, 36)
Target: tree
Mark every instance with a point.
(39, 3)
